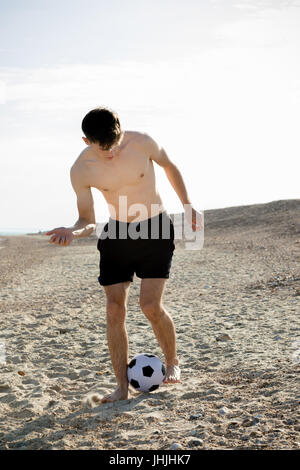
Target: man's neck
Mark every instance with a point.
(113, 152)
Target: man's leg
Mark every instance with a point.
(116, 297)
(162, 324)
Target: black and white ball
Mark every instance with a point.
(145, 372)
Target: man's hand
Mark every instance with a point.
(194, 218)
(61, 236)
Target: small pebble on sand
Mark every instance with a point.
(224, 337)
(223, 411)
(175, 446)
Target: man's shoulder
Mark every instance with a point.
(79, 166)
(82, 157)
(138, 138)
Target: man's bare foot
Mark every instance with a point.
(172, 374)
(118, 394)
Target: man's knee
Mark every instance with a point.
(116, 311)
(152, 309)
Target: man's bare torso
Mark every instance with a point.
(125, 180)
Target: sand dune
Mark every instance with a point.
(235, 305)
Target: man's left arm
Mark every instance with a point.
(160, 156)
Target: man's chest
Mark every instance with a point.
(131, 170)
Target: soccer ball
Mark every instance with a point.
(145, 372)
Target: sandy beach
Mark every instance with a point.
(235, 305)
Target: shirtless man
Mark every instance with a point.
(120, 165)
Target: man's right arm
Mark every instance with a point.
(86, 223)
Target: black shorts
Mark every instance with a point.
(145, 248)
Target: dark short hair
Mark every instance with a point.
(102, 125)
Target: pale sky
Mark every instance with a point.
(216, 83)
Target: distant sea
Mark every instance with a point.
(17, 231)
